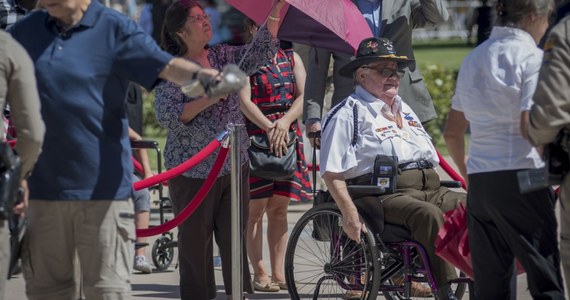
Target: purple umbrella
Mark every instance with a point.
(332, 24)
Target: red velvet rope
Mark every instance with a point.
(450, 171)
(189, 164)
(138, 166)
(194, 203)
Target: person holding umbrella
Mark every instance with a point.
(191, 124)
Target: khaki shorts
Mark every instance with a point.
(101, 233)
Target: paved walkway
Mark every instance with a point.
(164, 285)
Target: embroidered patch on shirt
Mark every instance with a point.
(382, 129)
(548, 46)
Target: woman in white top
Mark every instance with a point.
(493, 96)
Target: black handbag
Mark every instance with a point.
(10, 168)
(264, 164)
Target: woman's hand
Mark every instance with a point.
(278, 134)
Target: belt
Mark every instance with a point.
(412, 165)
(416, 164)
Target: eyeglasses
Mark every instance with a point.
(386, 72)
(202, 18)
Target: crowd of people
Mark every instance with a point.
(68, 105)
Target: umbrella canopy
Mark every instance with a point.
(331, 24)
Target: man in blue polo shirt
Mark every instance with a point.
(85, 55)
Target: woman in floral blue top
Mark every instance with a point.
(194, 122)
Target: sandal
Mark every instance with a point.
(268, 287)
(352, 295)
(282, 285)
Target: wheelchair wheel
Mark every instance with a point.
(322, 262)
(162, 253)
(458, 288)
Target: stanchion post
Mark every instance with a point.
(237, 242)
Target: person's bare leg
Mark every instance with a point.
(254, 240)
(141, 222)
(277, 235)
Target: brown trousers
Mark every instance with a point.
(195, 245)
(419, 205)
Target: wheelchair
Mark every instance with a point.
(163, 247)
(321, 262)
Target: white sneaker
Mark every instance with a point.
(142, 265)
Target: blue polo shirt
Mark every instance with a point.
(83, 76)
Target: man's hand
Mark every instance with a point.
(313, 129)
(352, 226)
(20, 207)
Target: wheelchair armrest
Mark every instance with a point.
(371, 190)
(451, 183)
(144, 144)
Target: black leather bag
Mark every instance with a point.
(264, 164)
(9, 179)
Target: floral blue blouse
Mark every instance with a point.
(185, 140)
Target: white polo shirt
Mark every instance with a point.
(376, 135)
(496, 83)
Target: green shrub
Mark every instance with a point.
(440, 83)
(151, 127)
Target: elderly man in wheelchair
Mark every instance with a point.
(373, 140)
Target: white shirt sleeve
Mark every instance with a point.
(337, 153)
(529, 80)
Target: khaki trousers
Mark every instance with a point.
(101, 232)
(565, 229)
(419, 206)
(4, 255)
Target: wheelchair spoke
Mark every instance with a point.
(322, 263)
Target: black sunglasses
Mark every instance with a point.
(386, 72)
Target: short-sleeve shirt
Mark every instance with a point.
(83, 75)
(496, 83)
(342, 152)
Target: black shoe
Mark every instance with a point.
(445, 293)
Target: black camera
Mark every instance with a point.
(9, 179)
(556, 158)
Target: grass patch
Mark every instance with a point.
(447, 54)
(152, 155)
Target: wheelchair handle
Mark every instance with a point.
(144, 144)
(314, 135)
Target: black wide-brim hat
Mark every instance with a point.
(372, 50)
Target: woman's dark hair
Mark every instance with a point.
(512, 12)
(247, 23)
(174, 20)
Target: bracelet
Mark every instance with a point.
(272, 18)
